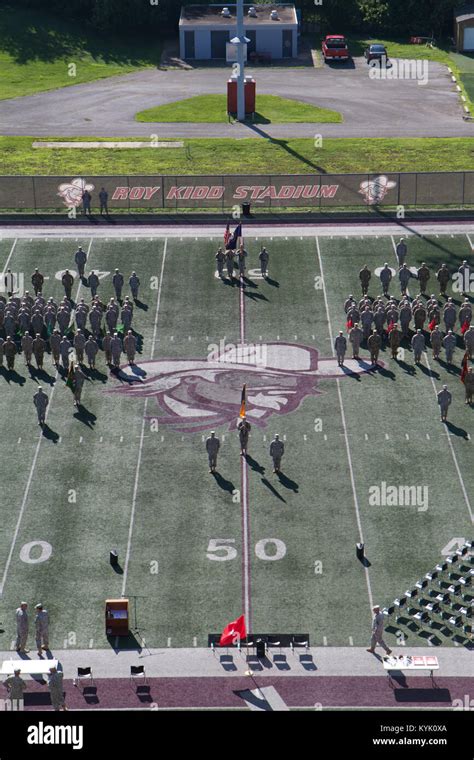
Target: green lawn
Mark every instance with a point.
(39, 52)
(213, 108)
(268, 156)
(315, 584)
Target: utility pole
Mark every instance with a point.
(240, 42)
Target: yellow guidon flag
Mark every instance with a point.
(242, 401)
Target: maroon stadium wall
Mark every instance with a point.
(318, 191)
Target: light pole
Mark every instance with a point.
(240, 42)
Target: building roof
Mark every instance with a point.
(211, 15)
(464, 12)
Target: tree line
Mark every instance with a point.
(395, 18)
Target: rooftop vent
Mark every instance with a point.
(252, 11)
(274, 15)
(225, 12)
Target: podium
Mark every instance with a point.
(116, 617)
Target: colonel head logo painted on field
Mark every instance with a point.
(71, 192)
(375, 190)
(199, 394)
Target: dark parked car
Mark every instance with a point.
(376, 52)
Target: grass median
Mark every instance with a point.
(213, 109)
(227, 156)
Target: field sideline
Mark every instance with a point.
(286, 545)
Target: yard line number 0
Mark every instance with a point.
(223, 549)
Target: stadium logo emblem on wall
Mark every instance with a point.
(375, 190)
(198, 394)
(71, 192)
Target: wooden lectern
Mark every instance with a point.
(116, 617)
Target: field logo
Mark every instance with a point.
(199, 394)
(71, 192)
(375, 190)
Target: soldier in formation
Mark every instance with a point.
(244, 427)
(277, 449)
(212, 447)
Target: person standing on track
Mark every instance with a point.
(377, 631)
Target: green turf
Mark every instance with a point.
(40, 52)
(468, 82)
(179, 507)
(266, 156)
(213, 108)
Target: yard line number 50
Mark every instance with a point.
(223, 549)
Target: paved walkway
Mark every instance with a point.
(325, 229)
(370, 108)
(203, 663)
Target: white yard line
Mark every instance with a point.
(450, 443)
(142, 433)
(9, 257)
(470, 242)
(346, 437)
(33, 465)
(245, 495)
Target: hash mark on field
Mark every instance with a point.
(427, 436)
(182, 437)
(91, 643)
(101, 439)
(351, 641)
(195, 642)
(387, 437)
(121, 439)
(168, 643)
(325, 437)
(223, 438)
(162, 438)
(407, 436)
(305, 437)
(60, 439)
(171, 337)
(284, 437)
(278, 337)
(366, 436)
(325, 641)
(81, 439)
(264, 437)
(19, 440)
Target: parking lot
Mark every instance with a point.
(371, 108)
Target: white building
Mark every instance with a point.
(205, 30)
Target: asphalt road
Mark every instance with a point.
(371, 108)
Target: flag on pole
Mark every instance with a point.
(70, 382)
(234, 238)
(49, 329)
(465, 327)
(233, 632)
(243, 401)
(120, 328)
(464, 366)
(227, 235)
(432, 325)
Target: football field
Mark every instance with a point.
(128, 470)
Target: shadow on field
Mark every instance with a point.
(226, 485)
(272, 489)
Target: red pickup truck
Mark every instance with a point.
(334, 48)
